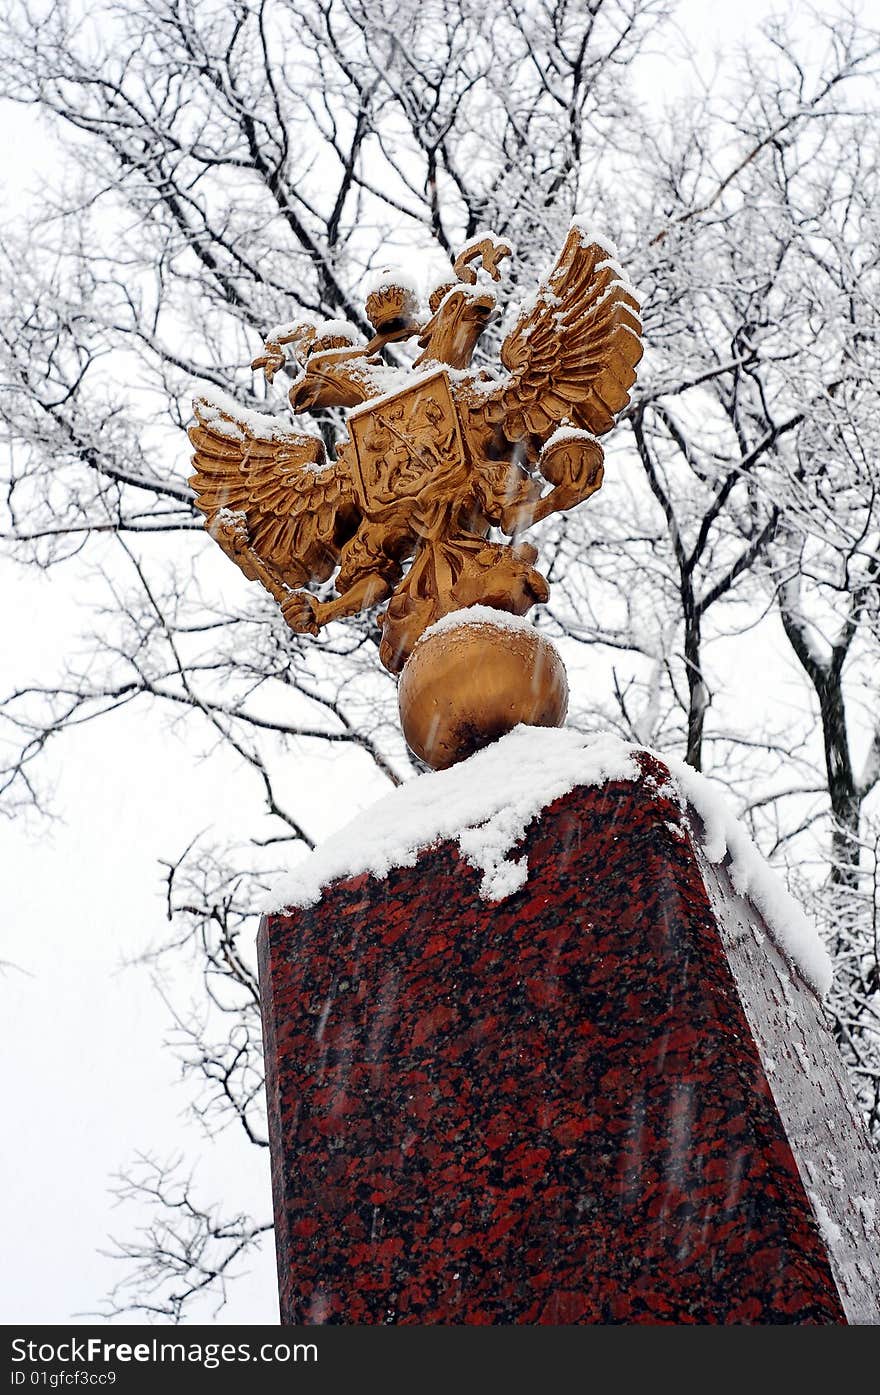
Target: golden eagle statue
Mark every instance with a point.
(438, 453)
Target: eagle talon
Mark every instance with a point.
(300, 613)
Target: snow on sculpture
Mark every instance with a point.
(436, 456)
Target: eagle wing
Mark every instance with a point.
(269, 494)
(571, 356)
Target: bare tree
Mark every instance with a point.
(233, 167)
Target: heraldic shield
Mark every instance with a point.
(407, 443)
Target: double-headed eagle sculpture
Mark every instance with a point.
(438, 453)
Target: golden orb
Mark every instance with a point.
(465, 684)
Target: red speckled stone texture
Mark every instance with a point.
(549, 1110)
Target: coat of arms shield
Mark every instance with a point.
(407, 442)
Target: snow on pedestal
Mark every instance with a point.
(544, 1044)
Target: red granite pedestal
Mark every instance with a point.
(606, 1099)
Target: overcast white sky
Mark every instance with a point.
(86, 1082)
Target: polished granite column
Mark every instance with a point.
(605, 1099)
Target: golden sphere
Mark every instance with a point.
(465, 685)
